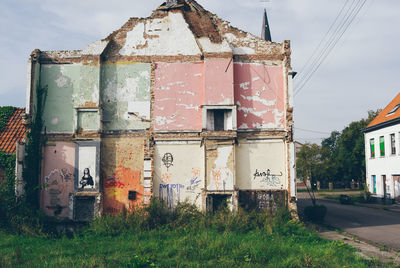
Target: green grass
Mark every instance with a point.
(188, 239)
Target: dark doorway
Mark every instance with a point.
(216, 202)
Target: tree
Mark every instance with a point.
(308, 165)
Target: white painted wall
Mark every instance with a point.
(388, 165)
(255, 158)
(183, 180)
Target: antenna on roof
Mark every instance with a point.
(171, 3)
(266, 31)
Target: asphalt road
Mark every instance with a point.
(376, 225)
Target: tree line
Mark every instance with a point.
(339, 159)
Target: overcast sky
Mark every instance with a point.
(359, 75)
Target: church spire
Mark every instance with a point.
(266, 32)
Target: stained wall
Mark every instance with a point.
(69, 86)
(218, 82)
(260, 96)
(260, 165)
(220, 162)
(179, 172)
(178, 96)
(57, 178)
(121, 172)
(125, 96)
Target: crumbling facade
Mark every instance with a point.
(179, 105)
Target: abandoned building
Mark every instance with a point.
(179, 105)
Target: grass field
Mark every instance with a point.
(182, 238)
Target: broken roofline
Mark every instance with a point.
(213, 36)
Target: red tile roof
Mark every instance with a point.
(13, 132)
(387, 114)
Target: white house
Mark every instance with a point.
(382, 152)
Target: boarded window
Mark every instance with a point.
(393, 143)
(382, 145)
(84, 208)
(372, 147)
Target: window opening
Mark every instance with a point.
(394, 109)
(372, 147)
(393, 143)
(219, 116)
(382, 145)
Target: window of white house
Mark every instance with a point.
(393, 143)
(372, 147)
(219, 118)
(382, 145)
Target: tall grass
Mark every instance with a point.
(155, 236)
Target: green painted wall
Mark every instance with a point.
(69, 86)
(125, 88)
(88, 121)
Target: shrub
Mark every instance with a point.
(315, 213)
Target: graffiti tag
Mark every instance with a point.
(112, 182)
(268, 178)
(222, 177)
(170, 193)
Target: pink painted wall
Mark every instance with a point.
(218, 79)
(260, 96)
(178, 96)
(58, 178)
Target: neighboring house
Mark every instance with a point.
(179, 105)
(382, 152)
(12, 134)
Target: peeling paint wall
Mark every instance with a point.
(178, 96)
(122, 171)
(220, 167)
(179, 173)
(58, 178)
(161, 36)
(68, 87)
(61, 82)
(218, 77)
(260, 165)
(126, 96)
(260, 96)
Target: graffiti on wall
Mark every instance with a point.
(222, 178)
(64, 174)
(194, 181)
(166, 177)
(86, 180)
(54, 181)
(265, 201)
(168, 160)
(117, 187)
(273, 180)
(170, 193)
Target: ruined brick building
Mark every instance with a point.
(179, 105)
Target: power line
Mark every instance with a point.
(312, 131)
(335, 38)
(332, 37)
(323, 39)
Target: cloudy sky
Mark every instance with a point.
(359, 75)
